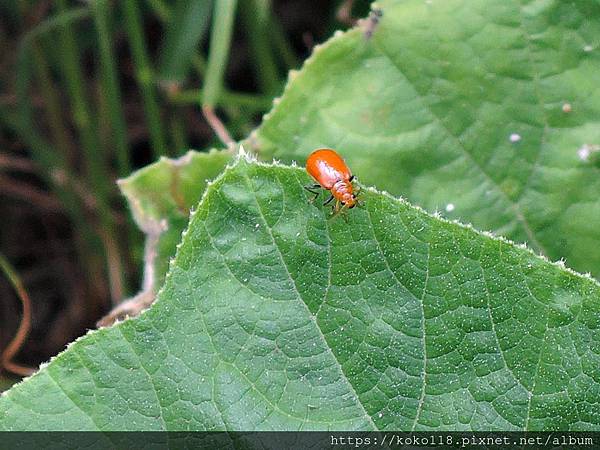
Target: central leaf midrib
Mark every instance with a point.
(303, 302)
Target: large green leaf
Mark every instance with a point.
(274, 316)
(484, 108)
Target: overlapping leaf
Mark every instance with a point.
(161, 197)
(487, 110)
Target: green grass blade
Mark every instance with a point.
(110, 82)
(220, 39)
(256, 19)
(82, 114)
(85, 122)
(281, 43)
(160, 9)
(145, 77)
(185, 30)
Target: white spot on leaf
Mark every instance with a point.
(585, 151)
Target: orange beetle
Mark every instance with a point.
(331, 172)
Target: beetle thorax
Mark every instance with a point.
(342, 191)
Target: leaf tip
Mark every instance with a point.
(243, 154)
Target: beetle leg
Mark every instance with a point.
(311, 189)
(351, 178)
(335, 209)
(328, 201)
(344, 212)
